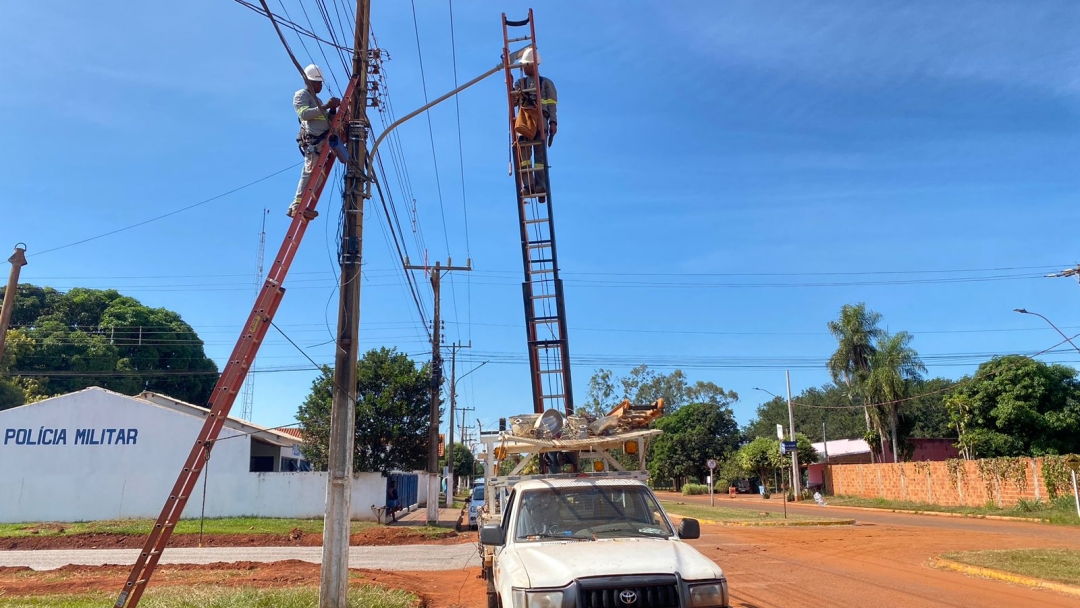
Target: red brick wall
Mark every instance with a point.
(931, 482)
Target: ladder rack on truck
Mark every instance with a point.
(498, 447)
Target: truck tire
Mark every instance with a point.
(493, 600)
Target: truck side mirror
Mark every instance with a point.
(689, 529)
(492, 534)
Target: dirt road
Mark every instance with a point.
(883, 562)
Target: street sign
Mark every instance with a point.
(788, 447)
(780, 432)
(1073, 462)
(711, 463)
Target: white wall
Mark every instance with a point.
(73, 481)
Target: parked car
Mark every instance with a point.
(476, 503)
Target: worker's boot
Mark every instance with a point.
(308, 215)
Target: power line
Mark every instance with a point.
(434, 156)
(171, 213)
(461, 164)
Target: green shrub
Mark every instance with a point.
(690, 489)
(721, 486)
(1030, 506)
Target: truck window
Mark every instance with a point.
(589, 512)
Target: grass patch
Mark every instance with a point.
(1061, 511)
(1058, 565)
(734, 515)
(217, 597)
(142, 527)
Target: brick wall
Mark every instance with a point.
(933, 483)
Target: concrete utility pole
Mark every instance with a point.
(791, 427)
(454, 348)
(436, 384)
(334, 580)
(18, 260)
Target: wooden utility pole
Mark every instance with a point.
(334, 580)
(436, 273)
(18, 260)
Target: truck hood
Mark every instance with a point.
(557, 563)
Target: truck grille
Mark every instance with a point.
(643, 596)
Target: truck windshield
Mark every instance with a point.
(478, 493)
(589, 513)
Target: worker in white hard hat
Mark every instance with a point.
(532, 118)
(314, 117)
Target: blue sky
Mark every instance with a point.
(726, 176)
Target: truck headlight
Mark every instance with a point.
(709, 595)
(543, 599)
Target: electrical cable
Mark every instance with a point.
(434, 156)
(461, 164)
(291, 25)
(169, 214)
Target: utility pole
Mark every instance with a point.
(454, 348)
(436, 272)
(791, 426)
(18, 260)
(334, 580)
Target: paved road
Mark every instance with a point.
(1034, 531)
(401, 557)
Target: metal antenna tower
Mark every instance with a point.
(248, 394)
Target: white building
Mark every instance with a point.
(95, 454)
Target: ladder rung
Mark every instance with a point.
(521, 39)
(539, 244)
(530, 169)
(551, 371)
(541, 261)
(533, 194)
(546, 343)
(543, 296)
(559, 396)
(545, 319)
(539, 220)
(529, 143)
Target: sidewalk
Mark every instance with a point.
(448, 518)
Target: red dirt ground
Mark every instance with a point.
(435, 589)
(885, 564)
(371, 536)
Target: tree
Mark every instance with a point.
(643, 385)
(762, 455)
(1017, 406)
(692, 435)
(925, 414)
(812, 407)
(855, 331)
(894, 367)
(87, 336)
(464, 461)
(393, 409)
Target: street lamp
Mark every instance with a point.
(765, 391)
(791, 429)
(1067, 338)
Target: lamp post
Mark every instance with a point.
(1024, 311)
(791, 430)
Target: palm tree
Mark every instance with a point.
(894, 367)
(856, 331)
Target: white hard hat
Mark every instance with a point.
(527, 56)
(313, 73)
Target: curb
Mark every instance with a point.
(780, 524)
(1017, 579)
(1030, 520)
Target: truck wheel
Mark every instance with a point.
(493, 600)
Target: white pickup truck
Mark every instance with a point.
(595, 543)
